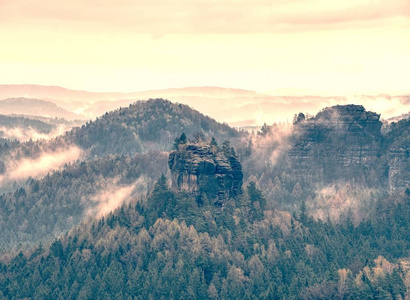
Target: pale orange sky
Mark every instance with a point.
(338, 47)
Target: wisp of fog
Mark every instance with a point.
(37, 167)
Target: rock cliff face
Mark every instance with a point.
(206, 169)
(399, 167)
(340, 143)
(398, 154)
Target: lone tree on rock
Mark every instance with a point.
(182, 140)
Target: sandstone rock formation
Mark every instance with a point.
(399, 167)
(341, 142)
(398, 154)
(202, 168)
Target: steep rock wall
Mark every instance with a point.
(341, 143)
(202, 168)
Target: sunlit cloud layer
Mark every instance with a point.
(340, 47)
(200, 16)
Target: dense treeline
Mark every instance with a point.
(44, 208)
(176, 246)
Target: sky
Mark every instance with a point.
(337, 47)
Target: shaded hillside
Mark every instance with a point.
(10, 122)
(45, 208)
(36, 107)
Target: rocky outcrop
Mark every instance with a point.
(341, 143)
(201, 168)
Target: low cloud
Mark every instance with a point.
(25, 134)
(337, 202)
(271, 145)
(202, 16)
(40, 166)
(114, 195)
(385, 105)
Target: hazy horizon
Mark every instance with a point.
(237, 107)
(291, 92)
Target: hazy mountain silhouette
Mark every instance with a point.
(234, 106)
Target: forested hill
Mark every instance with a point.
(47, 207)
(145, 125)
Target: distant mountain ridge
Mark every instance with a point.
(36, 107)
(64, 94)
(234, 106)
